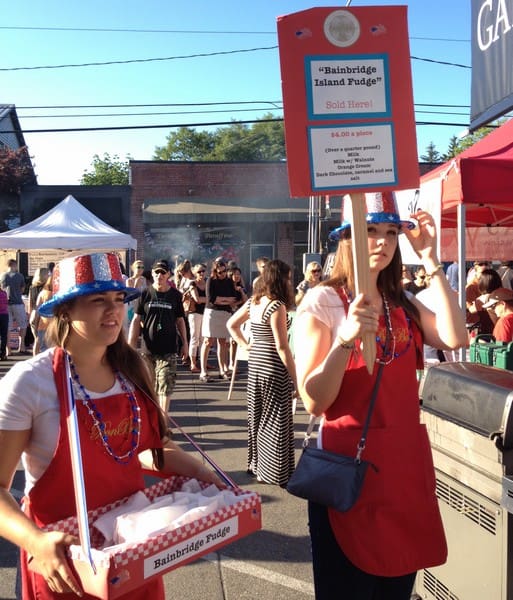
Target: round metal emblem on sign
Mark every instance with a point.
(342, 28)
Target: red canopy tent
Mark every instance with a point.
(481, 179)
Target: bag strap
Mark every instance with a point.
(363, 439)
(361, 444)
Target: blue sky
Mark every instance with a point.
(439, 31)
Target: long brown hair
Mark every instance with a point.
(275, 283)
(121, 357)
(389, 279)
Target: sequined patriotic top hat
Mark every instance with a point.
(86, 274)
(381, 208)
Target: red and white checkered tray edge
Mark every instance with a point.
(249, 501)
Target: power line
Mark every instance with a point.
(273, 103)
(441, 62)
(185, 31)
(200, 55)
(186, 104)
(138, 60)
(124, 30)
(192, 125)
(423, 112)
(168, 126)
(152, 114)
(191, 112)
(444, 105)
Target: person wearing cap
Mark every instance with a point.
(394, 528)
(121, 427)
(500, 302)
(159, 314)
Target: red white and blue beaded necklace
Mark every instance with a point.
(387, 354)
(97, 418)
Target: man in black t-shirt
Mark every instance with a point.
(159, 313)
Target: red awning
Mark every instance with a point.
(481, 178)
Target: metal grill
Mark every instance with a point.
(436, 588)
(467, 409)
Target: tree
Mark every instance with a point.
(458, 145)
(186, 144)
(15, 169)
(263, 140)
(107, 171)
(452, 150)
(432, 155)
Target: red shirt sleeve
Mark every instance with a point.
(503, 330)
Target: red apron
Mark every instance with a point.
(395, 527)
(52, 497)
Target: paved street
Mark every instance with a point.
(271, 564)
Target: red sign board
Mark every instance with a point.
(348, 101)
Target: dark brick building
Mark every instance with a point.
(200, 210)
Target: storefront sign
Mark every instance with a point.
(492, 48)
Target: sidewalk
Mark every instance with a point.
(271, 564)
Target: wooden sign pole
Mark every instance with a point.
(361, 267)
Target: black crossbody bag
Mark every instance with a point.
(329, 478)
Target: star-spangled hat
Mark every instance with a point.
(381, 208)
(86, 274)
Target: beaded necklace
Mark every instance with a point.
(387, 356)
(96, 415)
(388, 346)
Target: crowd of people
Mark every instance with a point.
(488, 296)
(124, 335)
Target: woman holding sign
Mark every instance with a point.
(375, 548)
(122, 429)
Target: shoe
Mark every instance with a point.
(204, 378)
(195, 370)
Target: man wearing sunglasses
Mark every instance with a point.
(160, 314)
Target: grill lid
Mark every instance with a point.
(474, 396)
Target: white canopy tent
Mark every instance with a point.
(67, 226)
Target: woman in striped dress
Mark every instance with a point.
(271, 376)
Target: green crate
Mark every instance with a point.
(486, 351)
(503, 357)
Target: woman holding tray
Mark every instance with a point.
(122, 429)
(394, 529)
